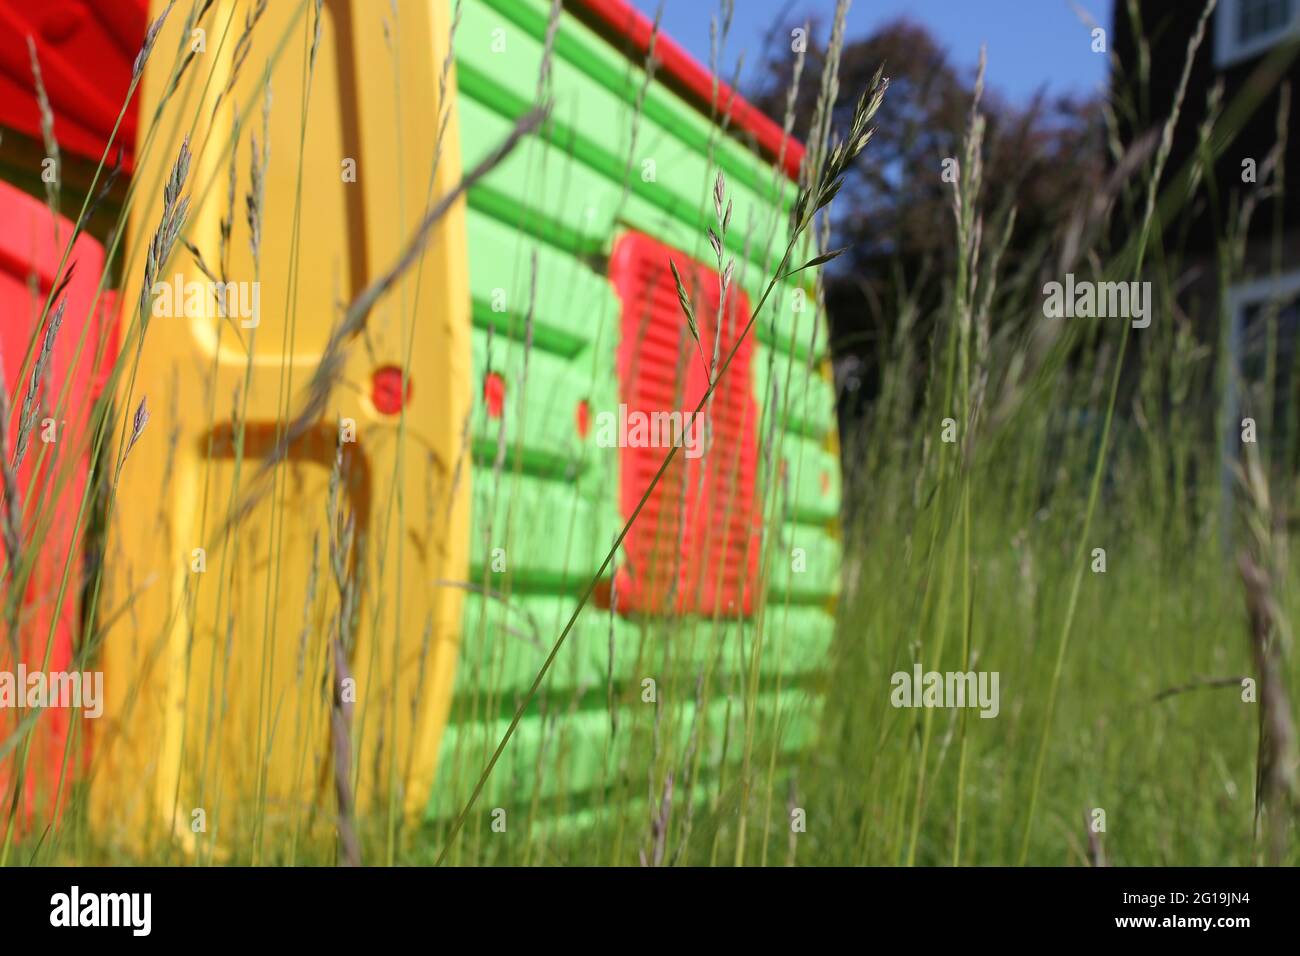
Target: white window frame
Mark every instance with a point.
(1227, 51)
(1281, 288)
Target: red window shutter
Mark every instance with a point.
(694, 548)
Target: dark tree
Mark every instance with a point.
(895, 213)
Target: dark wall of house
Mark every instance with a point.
(1168, 26)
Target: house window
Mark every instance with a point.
(1262, 383)
(694, 547)
(1248, 28)
(1260, 18)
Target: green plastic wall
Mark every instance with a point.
(545, 500)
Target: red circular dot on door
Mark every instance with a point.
(386, 390)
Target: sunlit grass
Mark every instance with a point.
(1120, 690)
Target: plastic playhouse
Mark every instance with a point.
(478, 490)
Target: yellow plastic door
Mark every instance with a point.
(223, 591)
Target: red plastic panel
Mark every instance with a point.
(50, 483)
(696, 81)
(694, 547)
(86, 49)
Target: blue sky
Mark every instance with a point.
(1031, 43)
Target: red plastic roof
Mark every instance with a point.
(85, 49)
(623, 19)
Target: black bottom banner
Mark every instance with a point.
(335, 906)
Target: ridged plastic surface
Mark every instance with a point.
(566, 240)
(53, 474)
(85, 49)
(695, 546)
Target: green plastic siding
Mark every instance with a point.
(568, 751)
(818, 556)
(545, 192)
(552, 538)
(499, 284)
(539, 424)
(805, 398)
(811, 486)
(545, 498)
(592, 123)
(507, 639)
(607, 68)
(596, 92)
(575, 747)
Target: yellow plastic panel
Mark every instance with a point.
(218, 681)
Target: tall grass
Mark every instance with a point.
(1121, 690)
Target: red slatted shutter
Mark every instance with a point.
(694, 548)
